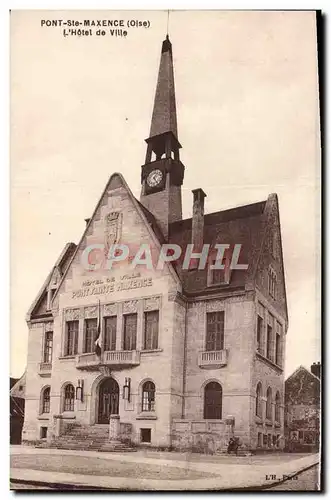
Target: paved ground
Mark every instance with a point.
(306, 481)
(262, 459)
(148, 470)
(101, 467)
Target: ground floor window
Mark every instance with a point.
(46, 400)
(145, 435)
(148, 396)
(43, 432)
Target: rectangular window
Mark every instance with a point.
(91, 334)
(145, 435)
(215, 331)
(130, 332)
(269, 342)
(43, 432)
(259, 333)
(110, 333)
(151, 330)
(278, 345)
(70, 348)
(220, 276)
(265, 440)
(48, 347)
(269, 441)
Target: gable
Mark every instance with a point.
(117, 219)
(302, 387)
(18, 389)
(270, 258)
(39, 306)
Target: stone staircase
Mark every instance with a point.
(85, 437)
(240, 453)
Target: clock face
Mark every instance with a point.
(154, 178)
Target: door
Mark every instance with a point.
(108, 400)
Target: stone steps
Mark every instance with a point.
(240, 453)
(83, 437)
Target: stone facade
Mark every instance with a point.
(178, 366)
(180, 384)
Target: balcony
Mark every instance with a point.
(111, 359)
(45, 369)
(213, 359)
(121, 358)
(88, 361)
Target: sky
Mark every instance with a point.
(248, 121)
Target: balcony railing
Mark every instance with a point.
(45, 369)
(112, 359)
(213, 359)
(122, 358)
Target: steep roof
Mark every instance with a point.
(38, 306)
(240, 225)
(297, 371)
(117, 180)
(302, 387)
(18, 389)
(164, 117)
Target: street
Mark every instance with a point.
(152, 470)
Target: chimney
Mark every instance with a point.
(316, 369)
(198, 218)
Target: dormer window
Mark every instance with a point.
(219, 276)
(272, 281)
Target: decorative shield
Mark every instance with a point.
(112, 230)
(105, 370)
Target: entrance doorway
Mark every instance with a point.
(108, 400)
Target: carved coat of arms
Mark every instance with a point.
(112, 230)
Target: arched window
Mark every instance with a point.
(269, 404)
(277, 407)
(148, 397)
(69, 398)
(46, 400)
(258, 402)
(213, 401)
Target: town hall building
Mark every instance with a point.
(161, 355)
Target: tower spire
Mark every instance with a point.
(163, 136)
(162, 174)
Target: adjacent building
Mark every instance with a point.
(16, 406)
(303, 409)
(164, 356)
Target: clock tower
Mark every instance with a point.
(162, 174)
